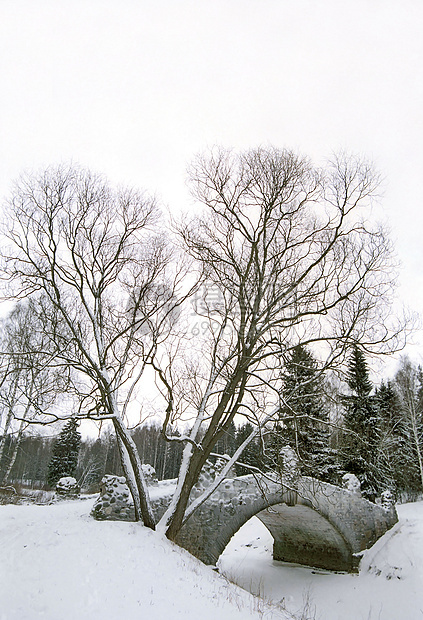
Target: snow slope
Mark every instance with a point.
(388, 587)
(56, 562)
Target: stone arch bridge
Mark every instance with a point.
(317, 524)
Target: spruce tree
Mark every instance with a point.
(65, 453)
(227, 444)
(361, 425)
(252, 453)
(391, 461)
(303, 421)
(387, 404)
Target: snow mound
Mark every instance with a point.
(351, 483)
(398, 554)
(149, 474)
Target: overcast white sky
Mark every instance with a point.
(134, 89)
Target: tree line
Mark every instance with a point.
(378, 437)
(36, 462)
(114, 302)
(40, 460)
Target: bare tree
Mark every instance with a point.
(284, 254)
(288, 257)
(409, 385)
(29, 385)
(88, 257)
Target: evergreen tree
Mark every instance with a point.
(227, 444)
(303, 422)
(390, 463)
(65, 453)
(252, 454)
(361, 425)
(387, 405)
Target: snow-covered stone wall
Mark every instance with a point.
(115, 501)
(67, 488)
(314, 523)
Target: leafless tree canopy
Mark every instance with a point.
(29, 385)
(285, 253)
(289, 258)
(89, 256)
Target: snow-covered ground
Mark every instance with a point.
(388, 587)
(56, 562)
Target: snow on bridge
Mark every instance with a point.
(312, 523)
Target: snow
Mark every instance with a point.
(67, 481)
(388, 586)
(352, 484)
(57, 562)
(163, 489)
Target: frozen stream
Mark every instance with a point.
(388, 587)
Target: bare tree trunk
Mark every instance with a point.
(134, 475)
(9, 416)
(176, 518)
(7, 425)
(3, 442)
(417, 442)
(12, 460)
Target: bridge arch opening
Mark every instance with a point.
(303, 536)
(296, 533)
